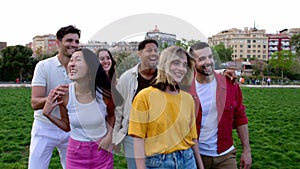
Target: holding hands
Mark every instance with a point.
(54, 98)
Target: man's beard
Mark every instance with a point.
(203, 67)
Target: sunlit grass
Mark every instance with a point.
(274, 128)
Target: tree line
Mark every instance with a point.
(18, 62)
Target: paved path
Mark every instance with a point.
(14, 85)
(271, 86)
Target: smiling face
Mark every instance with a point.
(68, 44)
(77, 67)
(204, 61)
(178, 68)
(149, 56)
(105, 60)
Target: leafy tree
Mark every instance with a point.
(223, 53)
(295, 42)
(17, 62)
(164, 46)
(125, 61)
(283, 61)
(185, 44)
(260, 67)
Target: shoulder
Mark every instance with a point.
(52, 61)
(186, 95)
(129, 74)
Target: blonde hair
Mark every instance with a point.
(164, 78)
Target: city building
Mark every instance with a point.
(246, 44)
(44, 44)
(160, 37)
(94, 45)
(3, 45)
(278, 42)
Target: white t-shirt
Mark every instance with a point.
(208, 139)
(49, 73)
(209, 125)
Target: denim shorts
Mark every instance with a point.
(182, 159)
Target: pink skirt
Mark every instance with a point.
(85, 155)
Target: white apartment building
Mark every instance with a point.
(247, 43)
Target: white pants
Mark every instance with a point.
(44, 138)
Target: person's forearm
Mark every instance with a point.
(38, 103)
(139, 152)
(111, 122)
(197, 156)
(244, 137)
(59, 123)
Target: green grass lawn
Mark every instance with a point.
(274, 128)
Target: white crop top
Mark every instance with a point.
(87, 121)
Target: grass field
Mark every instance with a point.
(274, 128)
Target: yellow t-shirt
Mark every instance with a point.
(166, 121)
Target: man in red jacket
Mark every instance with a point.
(219, 109)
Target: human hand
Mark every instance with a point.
(230, 73)
(51, 102)
(61, 90)
(246, 160)
(105, 143)
(117, 148)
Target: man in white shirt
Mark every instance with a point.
(51, 74)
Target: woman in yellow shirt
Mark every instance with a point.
(162, 118)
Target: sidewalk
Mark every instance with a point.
(15, 85)
(273, 86)
(265, 86)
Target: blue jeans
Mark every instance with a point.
(129, 152)
(182, 159)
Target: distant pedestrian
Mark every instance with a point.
(269, 81)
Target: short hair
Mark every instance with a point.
(65, 30)
(197, 46)
(164, 78)
(145, 42)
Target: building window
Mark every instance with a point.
(254, 46)
(254, 41)
(241, 46)
(248, 41)
(249, 46)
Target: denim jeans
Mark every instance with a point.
(182, 159)
(129, 152)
